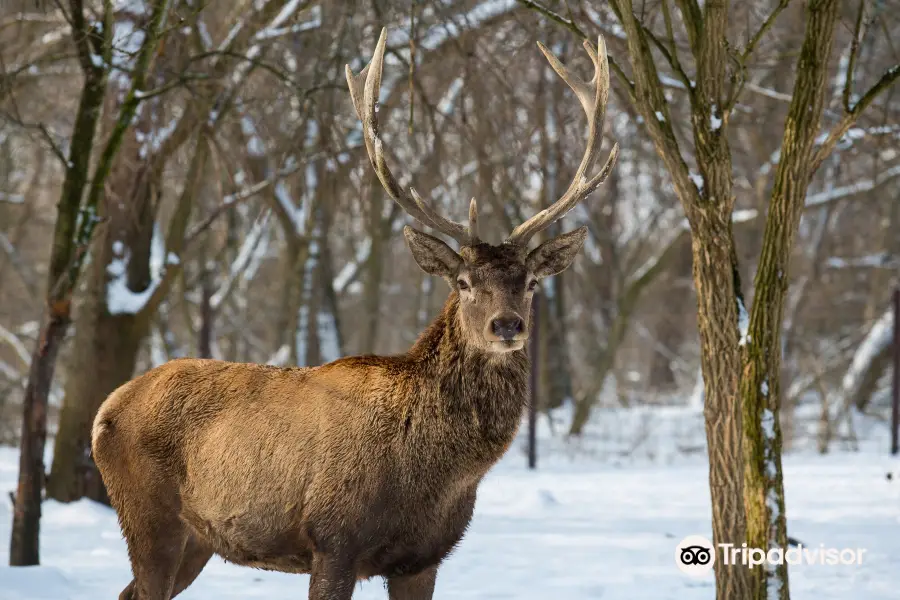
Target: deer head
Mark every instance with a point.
(495, 283)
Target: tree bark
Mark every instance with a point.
(24, 547)
(760, 383)
(371, 295)
(708, 208)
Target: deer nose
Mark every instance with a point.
(507, 327)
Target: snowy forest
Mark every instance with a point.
(182, 178)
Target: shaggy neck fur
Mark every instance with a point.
(482, 391)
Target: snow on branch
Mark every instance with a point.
(12, 198)
(245, 255)
(275, 29)
(878, 338)
(858, 187)
(16, 344)
(880, 260)
(122, 300)
(439, 34)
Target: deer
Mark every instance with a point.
(364, 467)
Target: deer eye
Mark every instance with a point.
(532, 285)
(462, 284)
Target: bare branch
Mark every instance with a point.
(837, 132)
(854, 54)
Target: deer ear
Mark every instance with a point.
(431, 254)
(555, 255)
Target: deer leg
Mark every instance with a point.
(196, 555)
(156, 547)
(413, 587)
(332, 578)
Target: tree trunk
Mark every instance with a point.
(760, 384)
(671, 329)
(24, 546)
(371, 296)
(107, 343)
(288, 323)
(65, 261)
(717, 283)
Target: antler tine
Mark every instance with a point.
(593, 96)
(364, 90)
(473, 222)
(457, 231)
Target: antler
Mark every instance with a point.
(364, 89)
(593, 96)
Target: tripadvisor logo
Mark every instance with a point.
(695, 556)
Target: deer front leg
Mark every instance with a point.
(333, 578)
(413, 587)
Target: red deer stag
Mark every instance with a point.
(367, 466)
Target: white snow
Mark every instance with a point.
(875, 341)
(287, 11)
(255, 146)
(280, 357)
(698, 181)
(242, 261)
(329, 346)
(445, 105)
(275, 30)
(743, 323)
(715, 122)
(660, 117)
(296, 214)
(672, 82)
(348, 271)
(12, 198)
(154, 140)
(768, 92)
(580, 529)
(435, 36)
(230, 37)
(857, 187)
(119, 298)
(881, 259)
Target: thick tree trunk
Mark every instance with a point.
(760, 385)
(717, 283)
(107, 344)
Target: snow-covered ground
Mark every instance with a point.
(577, 528)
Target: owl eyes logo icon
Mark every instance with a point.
(695, 556)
